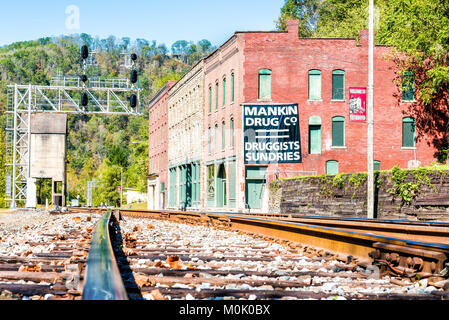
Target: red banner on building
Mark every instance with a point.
(357, 104)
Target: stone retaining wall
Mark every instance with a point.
(399, 194)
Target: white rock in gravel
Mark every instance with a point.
(190, 297)
(421, 284)
(328, 286)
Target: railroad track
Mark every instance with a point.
(45, 266)
(178, 255)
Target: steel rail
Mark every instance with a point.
(103, 279)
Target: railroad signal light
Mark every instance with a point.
(84, 99)
(84, 78)
(134, 76)
(134, 57)
(133, 101)
(84, 52)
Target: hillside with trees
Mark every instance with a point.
(99, 147)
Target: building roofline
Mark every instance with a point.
(160, 92)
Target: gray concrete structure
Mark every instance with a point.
(48, 155)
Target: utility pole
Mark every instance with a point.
(370, 205)
(121, 187)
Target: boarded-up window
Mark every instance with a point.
(338, 132)
(232, 185)
(211, 185)
(408, 86)
(314, 85)
(315, 135)
(223, 135)
(377, 165)
(224, 91)
(338, 85)
(210, 99)
(232, 132)
(408, 132)
(265, 84)
(332, 167)
(233, 88)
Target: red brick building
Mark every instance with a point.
(272, 68)
(158, 148)
(277, 68)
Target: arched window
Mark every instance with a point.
(223, 135)
(232, 132)
(338, 131)
(233, 87)
(408, 86)
(332, 167)
(265, 84)
(314, 85)
(224, 91)
(338, 85)
(408, 132)
(315, 135)
(210, 98)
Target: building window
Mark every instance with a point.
(315, 135)
(408, 86)
(314, 85)
(223, 136)
(332, 167)
(233, 88)
(224, 91)
(376, 165)
(216, 137)
(338, 132)
(232, 132)
(338, 85)
(210, 99)
(408, 132)
(265, 84)
(209, 140)
(211, 186)
(216, 100)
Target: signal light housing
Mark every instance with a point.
(133, 101)
(134, 57)
(84, 99)
(84, 78)
(134, 76)
(84, 52)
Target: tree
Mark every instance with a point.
(306, 11)
(419, 30)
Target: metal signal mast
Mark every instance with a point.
(101, 96)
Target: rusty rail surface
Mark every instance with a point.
(403, 248)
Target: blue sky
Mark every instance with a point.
(163, 21)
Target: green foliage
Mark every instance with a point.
(409, 190)
(94, 139)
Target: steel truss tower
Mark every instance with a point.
(105, 98)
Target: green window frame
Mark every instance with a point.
(338, 85)
(314, 84)
(173, 187)
(210, 99)
(231, 125)
(232, 87)
(209, 140)
(216, 90)
(315, 135)
(223, 135)
(408, 86)
(224, 91)
(216, 137)
(376, 165)
(265, 84)
(196, 197)
(338, 131)
(408, 133)
(332, 167)
(211, 185)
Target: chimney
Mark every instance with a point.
(364, 37)
(293, 28)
